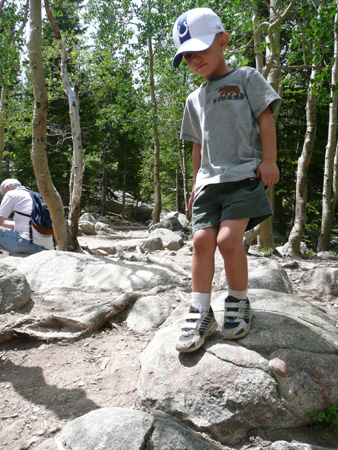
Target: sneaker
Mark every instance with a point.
(195, 328)
(237, 318)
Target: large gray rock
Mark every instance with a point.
(87, 227)
(283, 445)
(103, 227)
(87, 217)
(170, 239)
(148, 313)
(171, 223)
(286, 367)
(268, 274)
(323, 280)
(123, 429)
(53, 270)
(143, 212)
(15, 291)
(265, 273)
(181, 217)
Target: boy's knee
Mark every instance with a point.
(204, 242)
(228, 245)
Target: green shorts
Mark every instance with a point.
(228, 201)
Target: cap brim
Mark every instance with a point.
(193, 45)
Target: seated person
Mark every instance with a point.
(16, 240)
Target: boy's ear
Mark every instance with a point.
(224, 40)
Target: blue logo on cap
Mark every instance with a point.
(183, 28)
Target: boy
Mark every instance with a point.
(229, 120)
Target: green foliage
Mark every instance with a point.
(110, 59)
(328, 417)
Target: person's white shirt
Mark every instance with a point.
(20, 200)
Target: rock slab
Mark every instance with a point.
(286, 367)
(15, 291)
(124, 429)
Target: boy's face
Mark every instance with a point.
(209, 63)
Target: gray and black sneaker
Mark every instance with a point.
(237, 318)
(195, 328)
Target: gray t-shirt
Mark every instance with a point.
(221, 116)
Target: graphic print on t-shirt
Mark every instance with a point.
(229, 92)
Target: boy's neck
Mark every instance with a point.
(225, 70)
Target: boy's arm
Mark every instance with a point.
(196, 164)
(268, 171)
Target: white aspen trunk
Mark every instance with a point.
(2, 123)
(184, 171)
(74, 114)
(335, 181)
(298, 228)
(329, 201)
(39, 133)
(257, 43)
(157, 182)
(272, 74)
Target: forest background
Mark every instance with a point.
(118, 58)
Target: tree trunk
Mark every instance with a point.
(157, 182)
(74, 113)
(2, 122)
(298, 228)
(124, 183)
(184, 171)
(39, 133)
(272, 73)
(177, 190)
(104, 184)
(329, 202)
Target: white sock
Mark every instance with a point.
(201, 300)
(240, 295)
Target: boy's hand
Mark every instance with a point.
(268, 172)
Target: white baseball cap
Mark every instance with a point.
(195, 31)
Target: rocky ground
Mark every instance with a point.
(45, 385)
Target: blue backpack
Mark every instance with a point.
(40, 218)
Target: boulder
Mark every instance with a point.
(286, 367)
(171, 223)
(15, 291)
(285, 250)
(87, 227)
(268, 274)
(125, 429)
(143, 212)
(181, 217)
(152, 244)
(50, 271)
(323, 280)
(103, 219)
(170, 240)
(147, 313)
(265, 273)
(86, 217)
(103, 227)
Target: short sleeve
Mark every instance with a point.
(260, 94)
(191, 127)
(6, 207)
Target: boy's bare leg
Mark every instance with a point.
(237, 310)
(230, 244)
(200, 320)
(203, 259)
